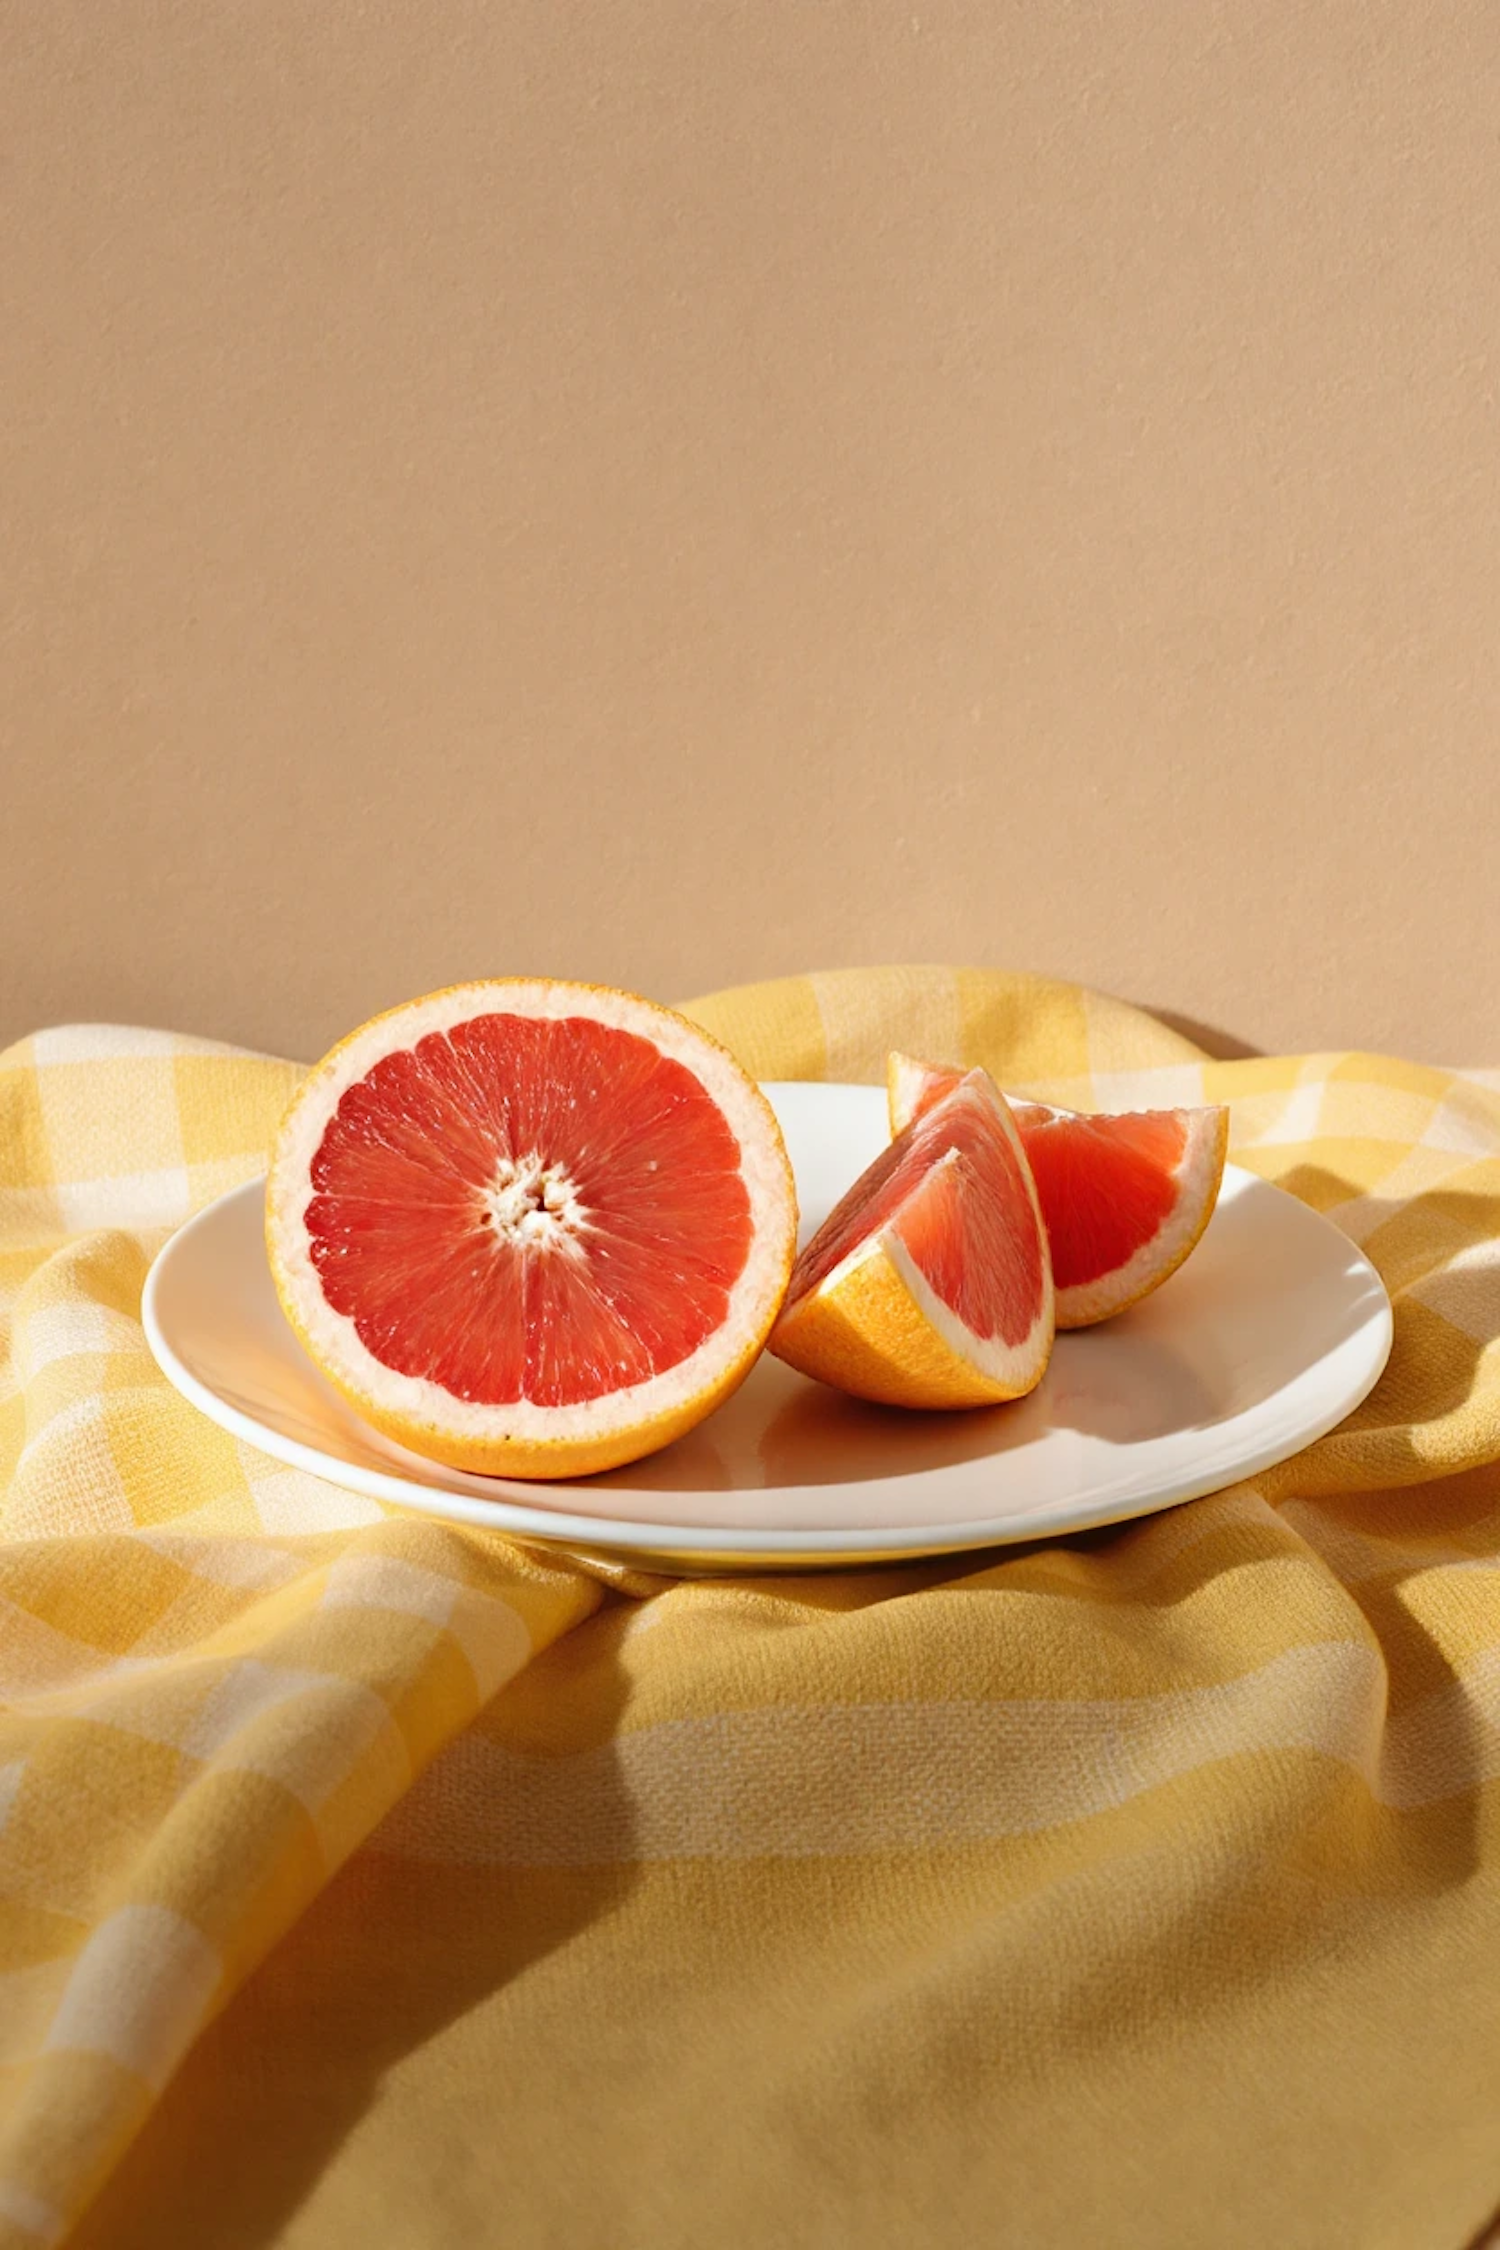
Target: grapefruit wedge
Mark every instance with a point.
(531, 1228)
(929, 1285)
(1125, 1198)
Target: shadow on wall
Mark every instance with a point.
(1222, 1045)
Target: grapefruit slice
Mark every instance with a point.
(530, 1228)
(1125, 1197)
(929, 1285)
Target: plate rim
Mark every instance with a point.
(774, 1547)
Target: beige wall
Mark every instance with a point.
(676, 492)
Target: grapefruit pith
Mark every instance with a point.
(531, 1228)
(1125, 1197)
(929, 1285)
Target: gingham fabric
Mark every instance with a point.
(363, 1880)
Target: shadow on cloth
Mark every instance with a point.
(1418, 1559)
(1420, 1513)
(442, 1897)
(1446, 1319)
(423, 1930)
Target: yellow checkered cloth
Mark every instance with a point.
(364, 1880)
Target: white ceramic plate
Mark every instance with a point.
(1272, 1332)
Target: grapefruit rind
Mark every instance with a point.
(522, 1439)
(911, 1089)
(911, 1086)
(1200, 1174)
(874, 1325)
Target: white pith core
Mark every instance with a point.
(534, 1205)
(763, 1167)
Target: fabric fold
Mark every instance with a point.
(303, 1800)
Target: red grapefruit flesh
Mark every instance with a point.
(929, 1285)
(531, 1228)
(1125, 1197)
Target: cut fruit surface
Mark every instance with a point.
(1125, 1197)
(929, 1285)
(531, 1228)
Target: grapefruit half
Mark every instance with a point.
(929, 1285)
(1125, 1197)
(531, 1228)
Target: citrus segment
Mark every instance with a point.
(1125, 1197)
(929, 1284)
(531, 1227)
